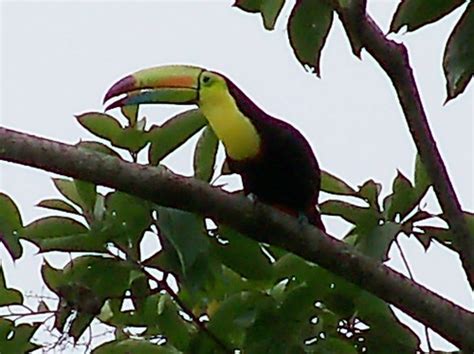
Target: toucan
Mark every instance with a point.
(276, 163)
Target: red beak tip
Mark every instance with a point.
(122, 86)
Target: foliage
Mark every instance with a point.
(231, 292)
(310, 22)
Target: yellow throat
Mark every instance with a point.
(236, 132)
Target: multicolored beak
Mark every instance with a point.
(176, 84)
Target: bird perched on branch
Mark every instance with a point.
(274, 160)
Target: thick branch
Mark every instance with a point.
(258, 221)
(393, 58)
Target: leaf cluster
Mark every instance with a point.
(232, 292)
(310, 22)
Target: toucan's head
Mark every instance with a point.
(216, 96)
(176, 84)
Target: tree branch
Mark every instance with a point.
(393, 58)
(255, 220)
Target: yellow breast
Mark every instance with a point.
(237, 133)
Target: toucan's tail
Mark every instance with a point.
(314, 218)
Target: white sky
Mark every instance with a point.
(57, 60)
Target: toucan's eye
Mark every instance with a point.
(206, 79)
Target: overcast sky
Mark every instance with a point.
(58, 59)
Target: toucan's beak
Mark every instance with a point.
(178, 84)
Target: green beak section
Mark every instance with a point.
(177, 84)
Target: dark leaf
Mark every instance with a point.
(185, 231)
(16, 339)
(442, 235)
(417, 13)
(249, 5)
(172, 324)
(8, 296)
(134, 346)
(349, 212)
(125, 220)
(458, 64)
(254, 265)
(308, 28)
(386, 334)
(87, 192)
(58, 204)
(334, 345)
(205, 154)
(237, 314)
(422, 179)
(173, 133)
(53, 226)
(370, 192)
(10, 226)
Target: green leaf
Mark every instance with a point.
(56, 233)
(10, 226)
(126, 220)
(131, 139)
(68, 189)
(376, 243)
(248, 5)
(101, 124)
(58, 204)
(53, 226)
(335, 185)
(370, 192)
(172, 324)
(185, 231)
(87, 192)
(422, 179)
(417, 13)
(430, 233)
(406, 197)
(87, 281)
(334, 345)
(401, 201)
(349, 212)
(8, 296)
(308, 28)
(134, 346)
(205, 154)
(386, 334)
(16, 339)
(254, 265)
(131, 113)
(97, 147)
(270, 11)
(173, 133)
(236, 314)
(458, 64)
